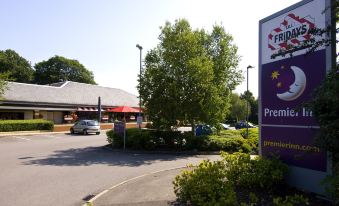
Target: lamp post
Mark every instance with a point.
(140, 49)
(248, 67)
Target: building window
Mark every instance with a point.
(12, 115)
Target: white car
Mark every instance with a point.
(85, 127)
(227, 126)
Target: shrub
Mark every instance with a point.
(214, 183)
(252, 139)
(109, 135)
(230, 144)
(234, 141)
(25, 125)
(230, 133)
(195, 142)
(205, 185)
(253, 173)
(252, 133)
(143, 139)
(227, 140)
(290, 201)
(149, 125)
(114, 139)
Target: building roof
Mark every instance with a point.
(70, 93)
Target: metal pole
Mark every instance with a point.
(99, 109)
(140, 48)
(140, 84)
(124, 122)
(247, 107)
(248, 67)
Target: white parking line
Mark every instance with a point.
(23, 138)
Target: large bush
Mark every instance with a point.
(230, 144)
(149, 139)
(25, 125)
(261, 172)
(205, 185)
(216, 183)
(252, 139)
(230, 141)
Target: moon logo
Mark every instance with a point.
(297, 88)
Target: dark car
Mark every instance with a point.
(242, 125)
(85, 127)
(204, 129)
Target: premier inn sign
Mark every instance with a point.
(287, 127)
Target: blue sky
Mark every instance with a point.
(102, 34)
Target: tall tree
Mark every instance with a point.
(3, 85)
(58, 69)
(15, 67)
(253, 106)
(189, 76)
(238, 108)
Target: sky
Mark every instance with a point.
(102, 34)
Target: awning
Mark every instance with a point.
(88, 109)
(123, 109)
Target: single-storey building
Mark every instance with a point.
(64, 102)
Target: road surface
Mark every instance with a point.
(63, 169)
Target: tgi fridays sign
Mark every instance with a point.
(291, 32)
(287, 129)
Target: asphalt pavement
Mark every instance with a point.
(155, 189)
(63, 169)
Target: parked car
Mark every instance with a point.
(86, 127)
(226, 126)
(242, 124)
(204, 129)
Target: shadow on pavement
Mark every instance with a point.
(99, 155)
(149, 203)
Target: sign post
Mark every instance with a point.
(120, 129)
(287, 127)
(99, 109)
(139, 120)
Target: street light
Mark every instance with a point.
(248, 67)
(140, 48)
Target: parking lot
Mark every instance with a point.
(64, 169)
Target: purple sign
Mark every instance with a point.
(287, 84)
(294, 146)
(119, 128)
(287, 127)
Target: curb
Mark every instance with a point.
(30, 133)
(90, 201)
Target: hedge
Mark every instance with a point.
(237, 179)
(231, 141)
(25, 125)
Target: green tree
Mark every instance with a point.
(3, 85)
(253, 106)
(325, 105)
(15, 67)
(189, 76)
(238, 108)
(58, 69)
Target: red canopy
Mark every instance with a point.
(124, 109)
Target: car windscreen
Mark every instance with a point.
(92, 123)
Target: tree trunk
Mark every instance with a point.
(193, 126)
